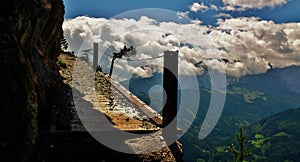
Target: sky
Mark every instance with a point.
(279, 11)
(241, 37)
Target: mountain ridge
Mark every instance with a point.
(276, 138)
(249, 99)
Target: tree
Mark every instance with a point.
(119, 55)
(63, 44)
(241, 154)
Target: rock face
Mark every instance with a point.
(30, 43)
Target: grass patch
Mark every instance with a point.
(61, 64)
(248, 95)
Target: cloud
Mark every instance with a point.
(182, 15)
(242, 46)
(196, 21)
(241, 5)
(214, 7)
(223, 15)
(258, 42)
(195, 7)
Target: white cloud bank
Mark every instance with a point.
(241, 45)
(248, 4)
(195, 7)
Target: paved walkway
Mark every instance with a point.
(97, 100)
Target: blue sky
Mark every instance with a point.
(289, 12)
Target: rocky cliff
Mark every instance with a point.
(30, 33)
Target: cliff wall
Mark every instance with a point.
(30, 33)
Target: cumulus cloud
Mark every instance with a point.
(248, 4)
(257, 42)
(240, 45)
(195, 7)
(196, 21)
(182, 15)
(214, 7)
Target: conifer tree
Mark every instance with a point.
(63, 44)
(242, 153)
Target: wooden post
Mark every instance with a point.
(111, 66)
(170, 84)
(95, 56)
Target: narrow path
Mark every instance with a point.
(121, 108)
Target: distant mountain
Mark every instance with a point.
(276, 138)
(249, 99)
(277, 81)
